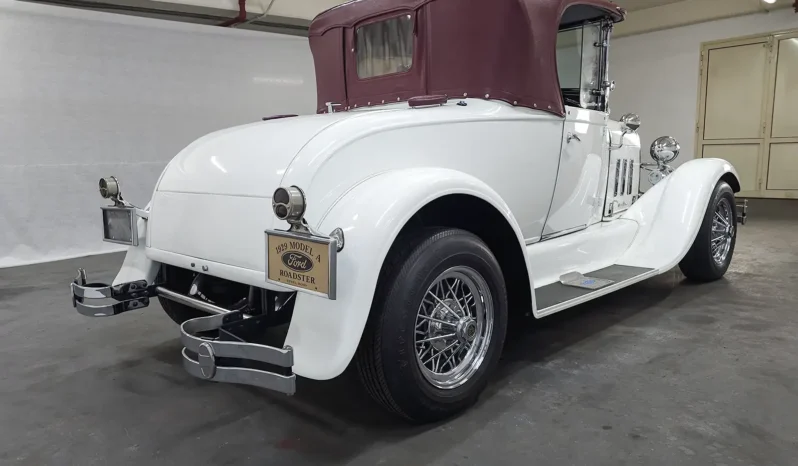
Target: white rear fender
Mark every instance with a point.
(325, 333)
(137, 266)
(670, 213)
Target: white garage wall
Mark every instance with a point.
(657, 74)
(87, 94)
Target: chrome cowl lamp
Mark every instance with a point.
(664, 150)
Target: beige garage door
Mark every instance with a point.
(747, 111)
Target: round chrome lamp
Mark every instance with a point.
(631, 121)
(665, 149)
(109, 187)
(289, 204)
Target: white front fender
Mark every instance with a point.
(670, 214)
(325, 334)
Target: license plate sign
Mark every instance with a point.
(301, 262)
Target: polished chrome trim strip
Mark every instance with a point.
(623, 176)
(631, 177)
(563, 232)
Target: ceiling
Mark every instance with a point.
(632, 5)
(294, 16)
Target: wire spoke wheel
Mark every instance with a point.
(722, 232)
(453, 328)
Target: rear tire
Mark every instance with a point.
(713, 248)
(393, 359)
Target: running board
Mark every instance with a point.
(558, 296)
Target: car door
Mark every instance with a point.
(581, 173)
(584, 156)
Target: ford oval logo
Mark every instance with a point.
(297, 261)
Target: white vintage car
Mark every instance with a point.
(462, 168)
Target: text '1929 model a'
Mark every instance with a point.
(462, 168)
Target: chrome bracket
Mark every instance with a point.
(742, 212)
(302, 226)
(331, 106)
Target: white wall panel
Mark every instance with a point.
(657, 74)
(86, 94)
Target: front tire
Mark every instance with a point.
(713, 248)
(437, 325)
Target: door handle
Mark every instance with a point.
(572, 136)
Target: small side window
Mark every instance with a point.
(385, 47)
(578, 61)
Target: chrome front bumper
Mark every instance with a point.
(215, 346)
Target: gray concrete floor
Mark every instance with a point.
(665, 373)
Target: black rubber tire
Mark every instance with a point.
(698, 265)
(386, 357)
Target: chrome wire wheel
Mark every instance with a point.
(722, 231)
(453, 327)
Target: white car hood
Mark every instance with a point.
(246, 160)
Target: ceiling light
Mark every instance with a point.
(769, 1)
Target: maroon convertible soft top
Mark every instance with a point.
(497, 49)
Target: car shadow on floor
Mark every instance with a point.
(336, 420)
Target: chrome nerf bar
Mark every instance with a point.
(215, 346)
(221, 360)
(116, 299)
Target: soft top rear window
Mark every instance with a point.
(385, 47)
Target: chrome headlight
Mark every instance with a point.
(665, 149)
(289, 203)
(109, 187)
(631, 121)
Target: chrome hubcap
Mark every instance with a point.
(454, 325)
(722, 231)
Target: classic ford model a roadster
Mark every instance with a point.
(462, 167)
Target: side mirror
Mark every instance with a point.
(631, 121)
